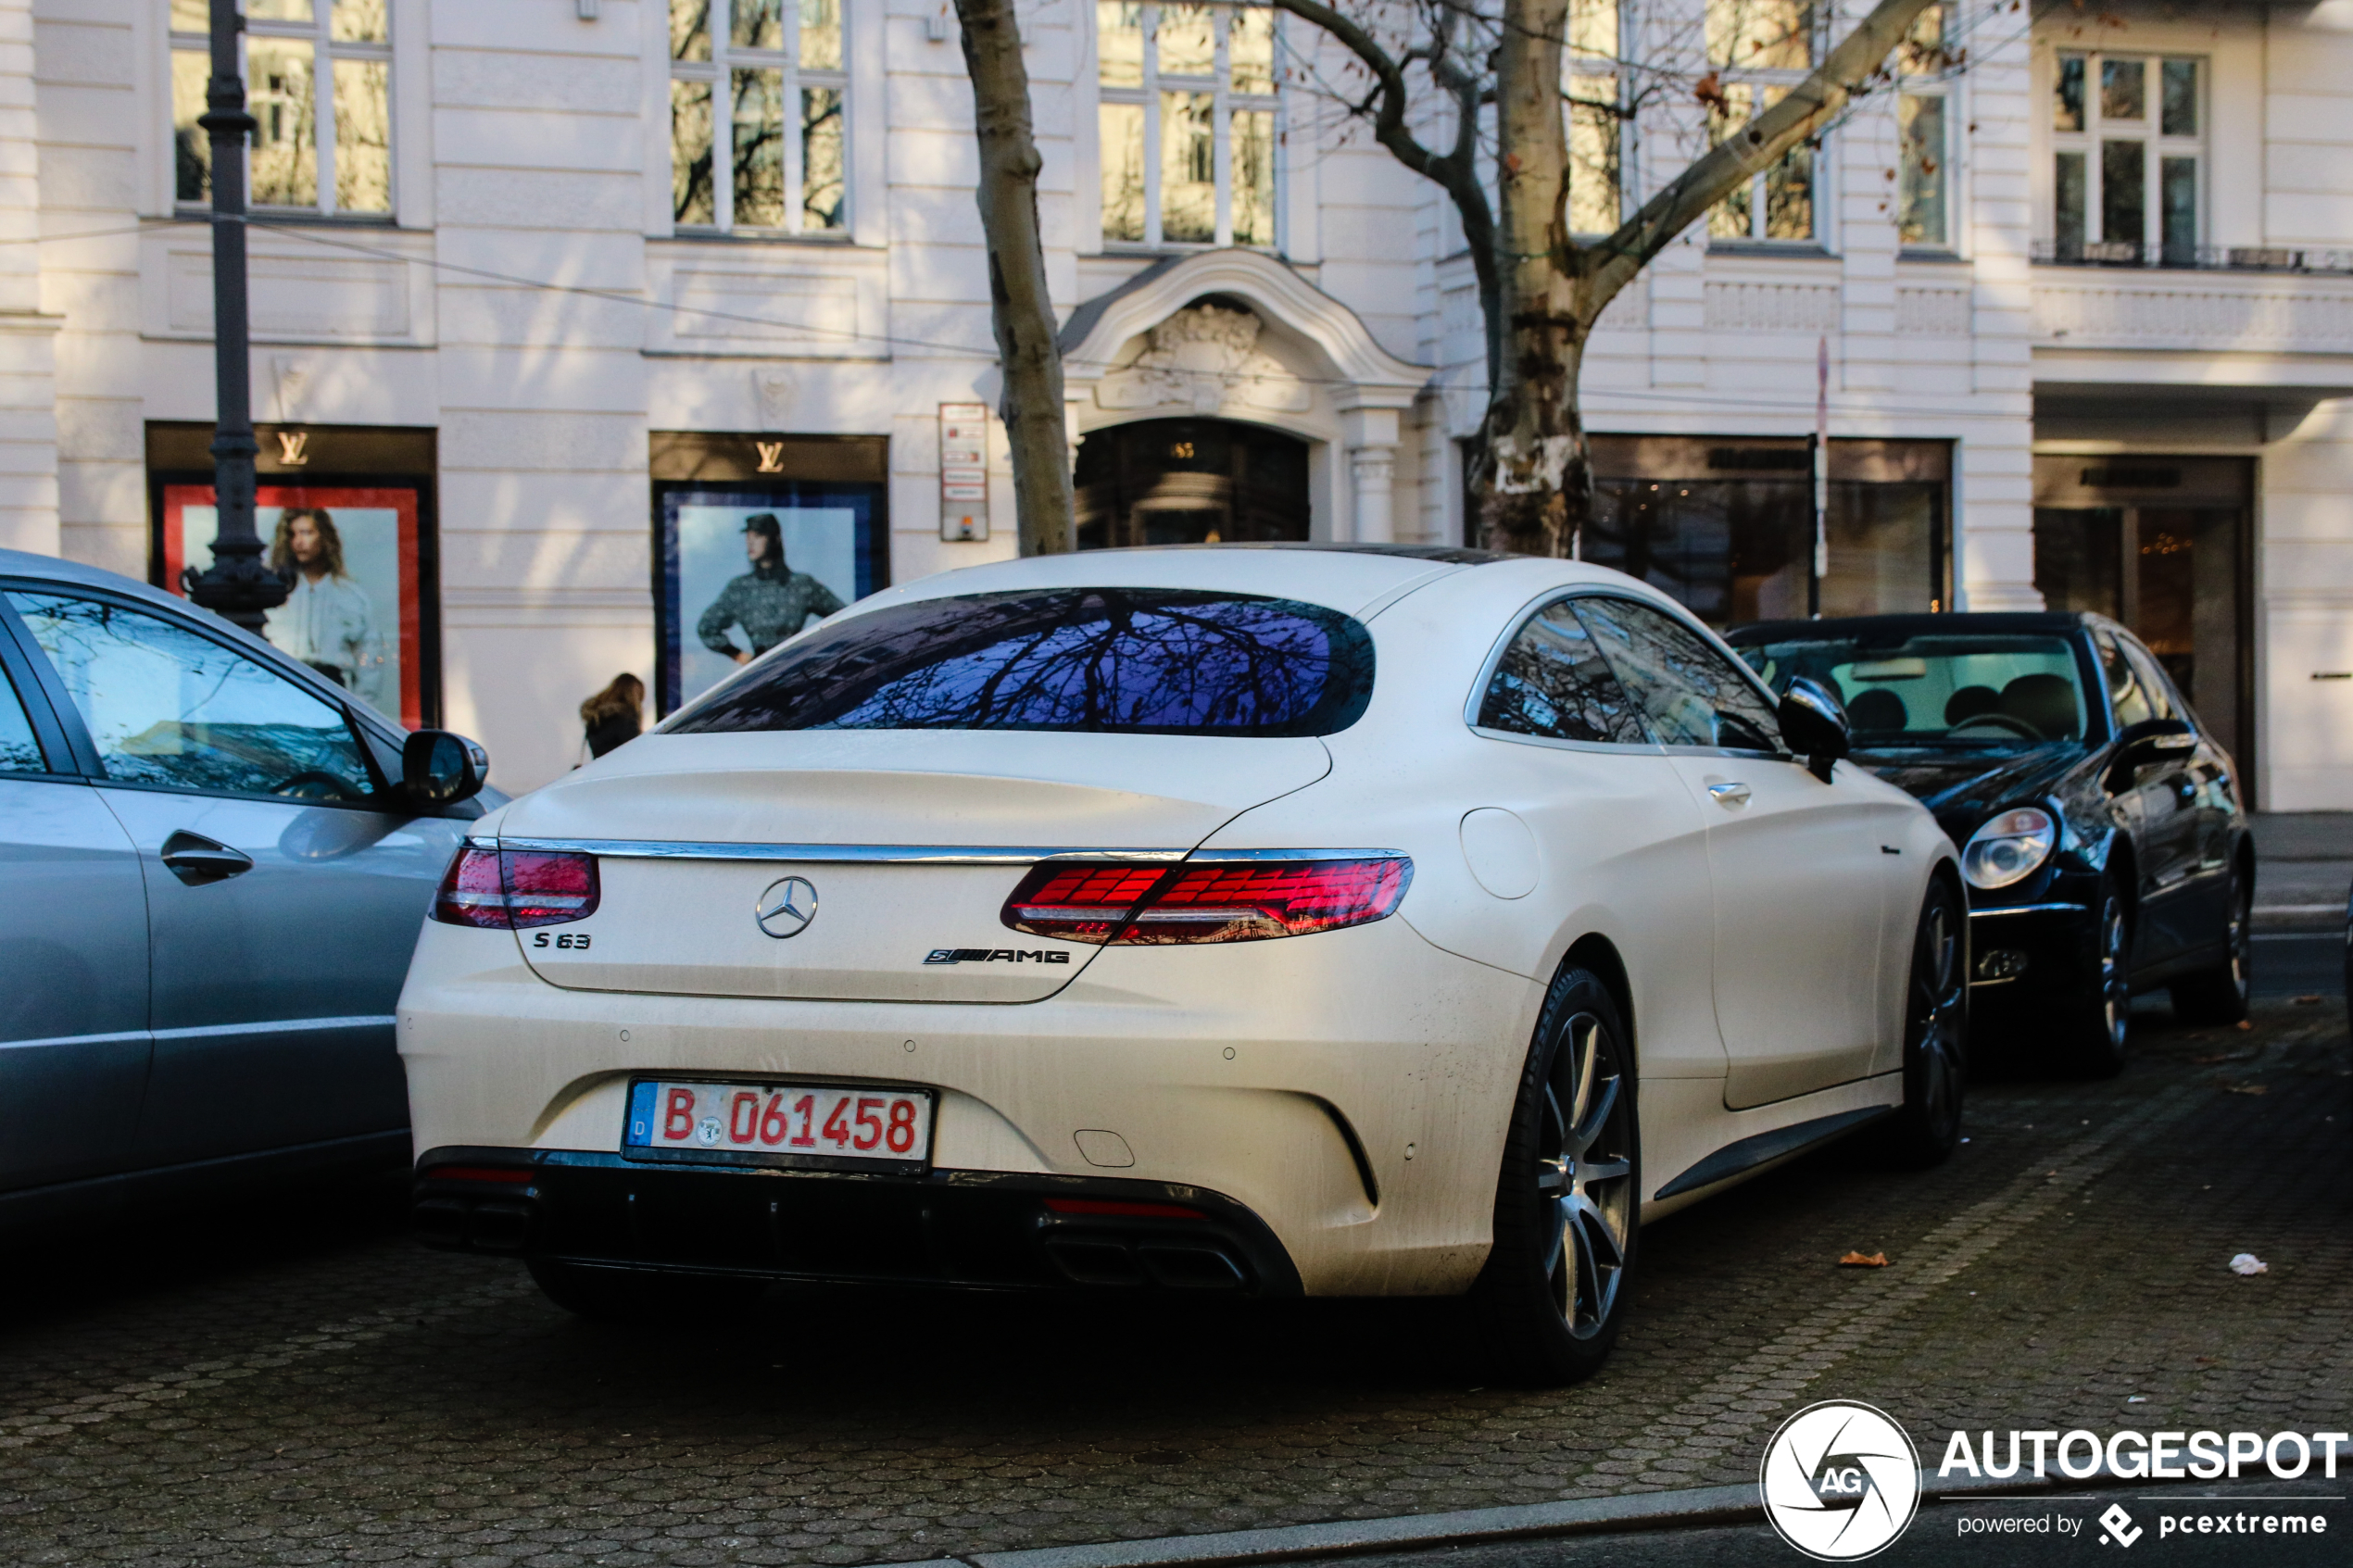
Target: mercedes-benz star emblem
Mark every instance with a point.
(786, 908)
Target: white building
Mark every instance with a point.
(2087, 303)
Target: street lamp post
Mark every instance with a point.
(236, 585)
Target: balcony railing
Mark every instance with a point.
(2191, 258)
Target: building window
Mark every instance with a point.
(2128, 155)
(765, 76)
(1597, 118)
(1757, 50)
(1924, 127)
(1187, 122)
(319, 85)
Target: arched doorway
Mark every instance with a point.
(1190, 481)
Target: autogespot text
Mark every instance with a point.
(2156, 1456)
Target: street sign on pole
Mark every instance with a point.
(963, 471)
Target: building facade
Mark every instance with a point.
(571, 316)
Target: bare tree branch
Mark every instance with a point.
(1456, 170)
(1612, 263)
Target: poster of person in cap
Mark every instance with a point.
(743, 573)
(768, 603)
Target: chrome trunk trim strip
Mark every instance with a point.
(918, 854)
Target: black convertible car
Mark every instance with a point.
(2101, 830)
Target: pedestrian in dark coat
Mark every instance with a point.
(612, 716)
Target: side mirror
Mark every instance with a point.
(2145, 742)
(1814, 724)
(439, 768)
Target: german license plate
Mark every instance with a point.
(821, 1125)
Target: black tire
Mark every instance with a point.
(637, 1297)
(2090, 1030)
(2220, 994)
(1555, 1289)
(1936, 1040)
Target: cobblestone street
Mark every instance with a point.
(301, 1384)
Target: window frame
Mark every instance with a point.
(22, 668)
(1517, 623)
(1145, 98)
(325, 50)
(717, 71)
(2149, 249)
(1940, 82)
(81, 749)
(1580, 66)
(1758, 80)
(1723, 650)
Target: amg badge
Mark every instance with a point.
(993, 955)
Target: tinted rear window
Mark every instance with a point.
(1122, 660)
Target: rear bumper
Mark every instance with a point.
(1349, 1091)
(972, 1229)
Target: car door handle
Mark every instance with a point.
(196, 859)
(1731, 796)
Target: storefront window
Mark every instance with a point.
(319, 85)
(1186, 122)
(756, 539)
(345, 517)
(1727, 528)
(2157, 542)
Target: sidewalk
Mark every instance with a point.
(2303, 865)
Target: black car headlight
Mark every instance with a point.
(2009, 847)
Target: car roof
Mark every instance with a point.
(1346, 577)
(2006, 623)
(55, 568)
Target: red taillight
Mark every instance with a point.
(1240, 902)
(511, 889)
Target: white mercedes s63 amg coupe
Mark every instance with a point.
(1323, 921)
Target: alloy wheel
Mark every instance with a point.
(2236, 933)
(2116, 984)
(1936, 1020)
(1585, 1177)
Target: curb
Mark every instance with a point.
(1628, 1511)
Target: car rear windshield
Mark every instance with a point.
(1116, 660)
(1989, 691)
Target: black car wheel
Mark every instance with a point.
(2092, 1028)
(636, 1295)
(2219, 995)
(1553, 1293)
(1935, 1038)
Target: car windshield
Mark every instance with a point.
(1129, 660)
(1937, 691)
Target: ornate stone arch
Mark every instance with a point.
(1239, 334)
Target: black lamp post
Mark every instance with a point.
(237, 584)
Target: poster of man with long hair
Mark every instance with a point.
(349, 558)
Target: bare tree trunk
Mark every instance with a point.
(1534, 483)
(1020, 306)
